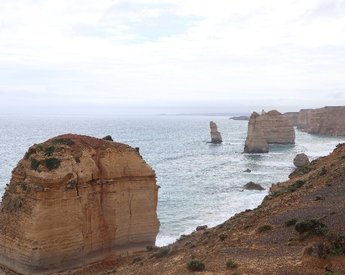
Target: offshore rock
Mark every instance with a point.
(255, 142)
(73, 200)
(253, 186)
(301, 160)
(277, 128)
(215, 135)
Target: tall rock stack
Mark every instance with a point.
(270, 128)
(73, 200)
(255, 142)
(215, 135)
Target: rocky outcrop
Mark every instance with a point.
(277, 128)
(215, 135)
(324, 121)
(301, 160)
(73, 200)
(292, 117)
(253, 186)
(255, 142)
(270, 128)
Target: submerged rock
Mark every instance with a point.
(301, 160)
(253, 186)
(73, 200)
(247, 171)
(215, 135)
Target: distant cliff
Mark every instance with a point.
(324, 121)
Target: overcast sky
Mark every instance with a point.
(170, 56)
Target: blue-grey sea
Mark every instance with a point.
(201, 183)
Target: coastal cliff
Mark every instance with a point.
(323, 121)
(269, 128)
(73, 200)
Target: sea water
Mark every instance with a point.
(200, 183)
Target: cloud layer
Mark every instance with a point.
(171, 54)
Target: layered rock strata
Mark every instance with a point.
(270, 128)
(324, 121)
(255, 142)
(215, 135)
(292, 117)
(73, 200)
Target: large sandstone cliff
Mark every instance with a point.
(271, 128)
(73, 200)
(323, 121)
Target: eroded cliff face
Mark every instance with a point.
(323, 121)
(269, 128)
(73, 200)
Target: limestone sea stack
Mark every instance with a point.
(73, 200)
(215, 135)
(255, 142)
(269, 128)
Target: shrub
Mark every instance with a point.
(293, 187)
(264, 228)
(222, 236)
(312, 227)
(52, 163)
(195, 265)
(49, 151)
(34, 164)
(290, 222)
(162, 252)
(231, 264)
(65, 141)
(323, 171)
(305, 170)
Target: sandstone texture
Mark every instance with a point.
(277, 128)
(255, 142)
(73, 200)
(301, 160)
(292, 117)
(324, 121)
(269, 128)
(215, 135)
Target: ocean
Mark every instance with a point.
(201, 183)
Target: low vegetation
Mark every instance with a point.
(196, 265)
(231, 264)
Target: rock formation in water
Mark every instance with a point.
(73, 200)
(215, 135)
(301, 160)
(324, 121)
(253, 186)
(270, 128)
(292, 117)
(277, 128)
(255, 142)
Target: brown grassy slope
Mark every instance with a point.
(259, 240)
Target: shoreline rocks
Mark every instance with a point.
(253, 186)
(216, 137)
(301, 160)
(73, 200)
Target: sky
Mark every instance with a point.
(170, 56)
